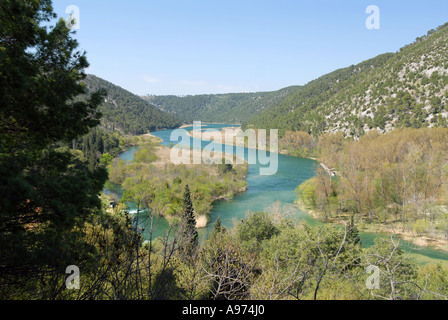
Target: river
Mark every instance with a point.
(263, 191)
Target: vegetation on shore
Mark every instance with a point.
(394, 182)
(100, 146)
(160, 187)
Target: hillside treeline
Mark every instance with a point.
(398, 178)
(221, 108)
(126, 112)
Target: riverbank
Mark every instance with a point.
(229, 136)
(164, 155)
(391, 228)
(204, 124)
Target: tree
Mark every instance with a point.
(189, 238)
(106, 159)
(46, 193)
(396, 271)
(227, 267)
(217, 228)
(256, 228)
(353, 233)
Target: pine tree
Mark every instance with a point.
(46, 193)
(217, 228)
(353, 234)
(218, 225)
(189, 237)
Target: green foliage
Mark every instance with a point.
(106, 159)
(353, 233)
(189, 238)
(306, 192)
(96, 143)
(52, 171)
(217, 229)
(146, 154)
(395, 270)
(300, 262)
(421, 226)
(47, 192)
(228, 266)
(255, 229)
(434, 278)
(224, 168)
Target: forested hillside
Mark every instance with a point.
(395, 180)
(403, 89)
(127, 112)
(226, 108)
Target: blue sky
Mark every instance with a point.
(218, 46)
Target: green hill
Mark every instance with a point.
(226, 108)
(124, 111)
(403, 89)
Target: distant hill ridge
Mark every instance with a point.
(226, 108)
(122, 110)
